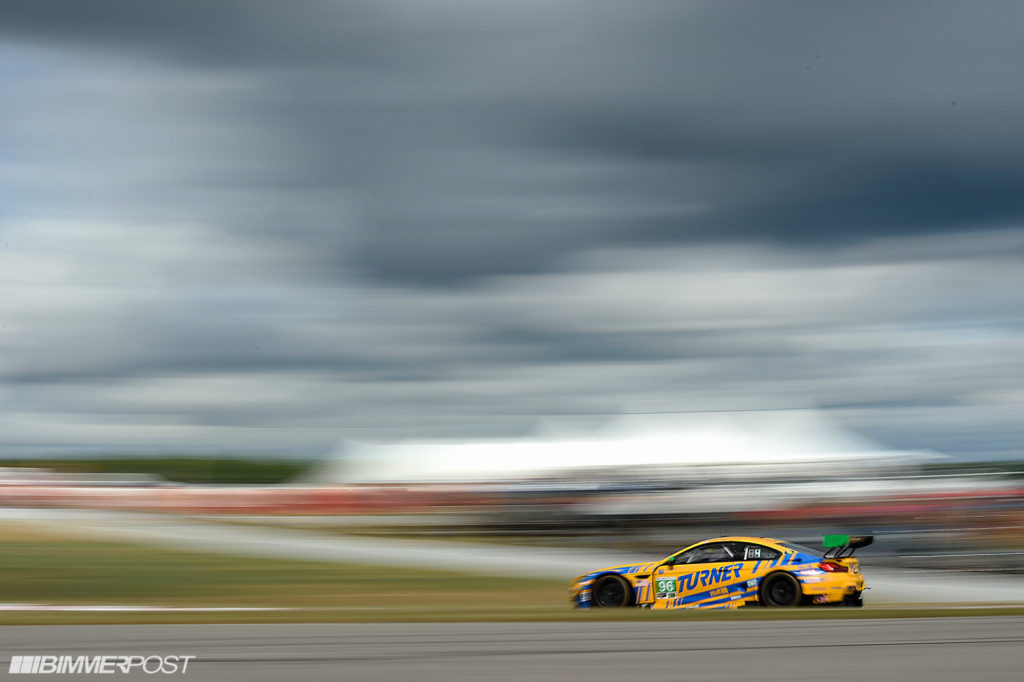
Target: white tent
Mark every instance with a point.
(665, 445)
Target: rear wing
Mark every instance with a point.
(844, 545)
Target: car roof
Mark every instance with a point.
(771, 542)
(742, 538)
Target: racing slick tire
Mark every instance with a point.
(611, 591)
(855, 600)
(780, 590)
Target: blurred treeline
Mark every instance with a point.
(1008, 468)
(177, 468)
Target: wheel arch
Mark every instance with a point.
(764, 579)
(630, 592)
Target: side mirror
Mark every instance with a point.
(671, 561)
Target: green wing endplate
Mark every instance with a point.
(835, 541)
(847, 542)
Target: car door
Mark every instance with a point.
(705, 573)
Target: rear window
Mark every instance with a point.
(760, 553)
(801, 548)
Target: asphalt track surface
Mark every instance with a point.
(934, 649)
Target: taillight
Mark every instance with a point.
(832, 567)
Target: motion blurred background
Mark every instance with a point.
(574, 274)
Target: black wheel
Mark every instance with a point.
(780, 589)
(611, 592)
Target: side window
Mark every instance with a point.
(760, 553)
(711, 553)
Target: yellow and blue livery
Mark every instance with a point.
(731, 572)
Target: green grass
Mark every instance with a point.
(180, 468)
(457, 614)
(37, 567)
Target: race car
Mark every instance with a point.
(729, 573)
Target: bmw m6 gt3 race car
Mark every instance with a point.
(730, 572)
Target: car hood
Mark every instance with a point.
(625, 569)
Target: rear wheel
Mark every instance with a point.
(780, 590)
(854, 600)
(611, 591)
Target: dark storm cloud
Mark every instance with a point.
(919, 196)
(227, 33)
(802, 124)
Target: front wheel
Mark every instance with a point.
(611, 591)
(780, 590)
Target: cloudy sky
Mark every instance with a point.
(261, 226)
